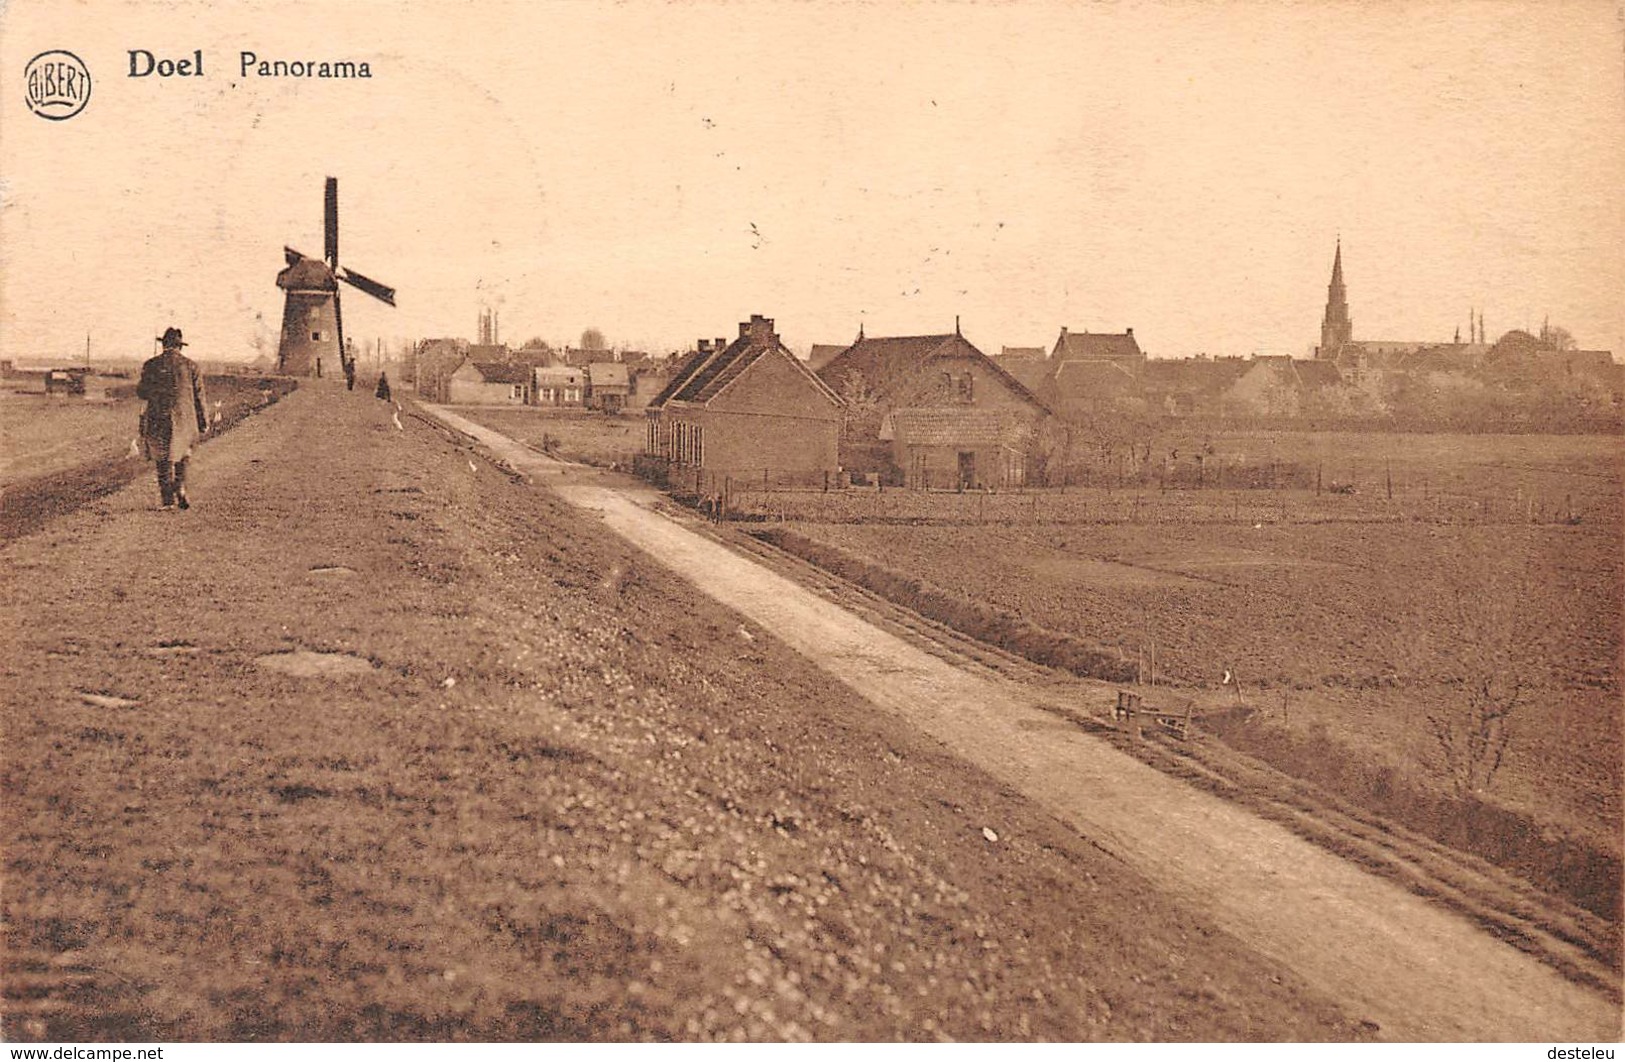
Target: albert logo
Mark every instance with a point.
(58, 84)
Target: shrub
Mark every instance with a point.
(1554, 861)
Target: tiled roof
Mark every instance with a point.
(503, 372)
(885, 363)
(707, 373)
(608, 374)
(822, 354)
(1097, 345)
(1023, 352)
(890, 365)
(690, 365)
(960, 426)
(721, 370)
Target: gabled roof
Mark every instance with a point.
(884, 362)
(822, 354)
(502, 372)
(1023, 352)
(689, 366)
(890, 365)
(706, 374)
(608, 374)
(1097, 345)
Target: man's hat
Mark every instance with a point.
(172, 338)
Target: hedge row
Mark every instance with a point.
(1551, 860)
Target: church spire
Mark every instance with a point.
(1336, 329)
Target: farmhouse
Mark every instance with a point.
(608, 385)
(1117, 348)
(560, 385)
(747, 409)
(934, 411)
(489, 383)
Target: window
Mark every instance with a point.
(316, 337)
(518, 392)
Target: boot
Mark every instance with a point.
(180, 484)
(166, 484)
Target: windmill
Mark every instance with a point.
(312, 321)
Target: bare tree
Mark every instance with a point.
(1558, 337)
(1471, 736)
(1470, 653)
(593, 339)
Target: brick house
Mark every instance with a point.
(1118, 348)
(609, 384)
(934, 411)
(747, 409)
(560, 386)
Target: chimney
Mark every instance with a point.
(758, 329)
(1129, 332)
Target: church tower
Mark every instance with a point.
(1336, 330)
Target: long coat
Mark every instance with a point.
(176, 411)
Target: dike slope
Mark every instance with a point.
(378, 742)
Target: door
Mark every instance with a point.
(967, 469)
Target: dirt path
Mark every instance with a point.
(1418, 972)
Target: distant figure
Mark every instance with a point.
(176, 416)
(349, 374)
(383, 386)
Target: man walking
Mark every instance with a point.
(176, 415)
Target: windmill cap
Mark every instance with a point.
(172, 338)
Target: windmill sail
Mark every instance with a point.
(330, 218)
(381, 292)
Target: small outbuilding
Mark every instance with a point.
(490, 383)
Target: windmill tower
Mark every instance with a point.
(312, 321)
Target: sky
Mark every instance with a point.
(661, 171)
